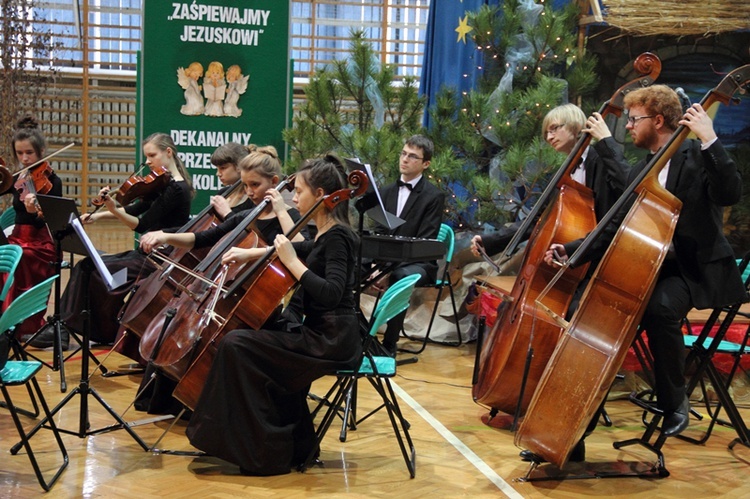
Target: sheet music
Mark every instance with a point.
(112, 281)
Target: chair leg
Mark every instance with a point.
(25, 440)
(399, 424)
(429, 326)
(344, 386)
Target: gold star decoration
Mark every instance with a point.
(463, 29)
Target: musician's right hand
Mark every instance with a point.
(476, 242)
(87, 218)
(236, 256)
(556, 255)
(150, 240)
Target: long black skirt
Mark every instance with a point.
(253, 410)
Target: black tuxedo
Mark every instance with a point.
(422, 215)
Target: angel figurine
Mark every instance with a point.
(237, 87)
(214, 88)
(188, 80)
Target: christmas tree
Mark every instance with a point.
(493, 158)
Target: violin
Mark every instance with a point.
(137, 187)
(34, 181)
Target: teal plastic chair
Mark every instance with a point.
(377, 370)
(447, 236)
(8, 218)
(23, 372)
(10, 255)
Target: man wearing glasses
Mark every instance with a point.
(420, 204)
(700, 269)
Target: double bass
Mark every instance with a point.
(593, 347)
(513, 356)
(255, 294)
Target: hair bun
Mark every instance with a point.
(28, 122)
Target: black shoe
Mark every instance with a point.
(46, 339)
(577, 455)
(389, 349)
(675, 423)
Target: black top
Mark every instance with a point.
(23, 217)
(328, 284)
(268, 228)
(170, 209)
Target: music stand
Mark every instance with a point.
(88, 266)
(57, 213)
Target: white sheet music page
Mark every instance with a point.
(112, 281)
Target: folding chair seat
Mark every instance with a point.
(447, 236)
(10, 256)
(377, 370)
(23, 372)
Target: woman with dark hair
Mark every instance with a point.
(226, 158)
(169, 208)
(30, 231)
(253, 411)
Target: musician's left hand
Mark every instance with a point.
(220, 206)
(699, 122)
(277, 201)
(596, 127)
(284, 249)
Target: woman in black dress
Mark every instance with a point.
(254, 411)
(170, 208)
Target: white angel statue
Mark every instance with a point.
(188, 80)
(214, 88)
(237, 87)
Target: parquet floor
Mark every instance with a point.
(457, 454)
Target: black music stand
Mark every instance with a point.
(88, 266)
(58, 211)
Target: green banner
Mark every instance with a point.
(212, 72)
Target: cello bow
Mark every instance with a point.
(593, 347)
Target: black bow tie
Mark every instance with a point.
(401, 183)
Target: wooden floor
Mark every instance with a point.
(457, 453)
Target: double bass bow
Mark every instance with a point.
(596, 340)
(514, 354)
(255, 295)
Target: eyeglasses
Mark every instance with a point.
(554, 128)
(409, 155)
(632, 120)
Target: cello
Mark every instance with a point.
(254, 295)
(513, 356)
(593, 347)
(152, 293)
(182, 335)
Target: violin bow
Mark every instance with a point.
(43, 159)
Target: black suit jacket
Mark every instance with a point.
(705, 182)
(422, 214)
